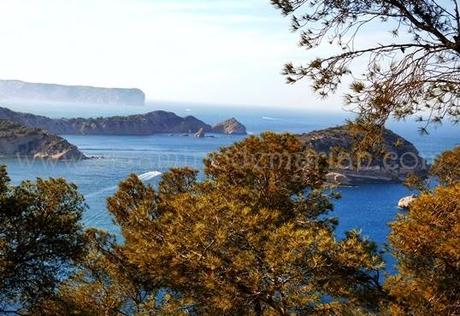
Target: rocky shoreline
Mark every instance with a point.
(18, 141)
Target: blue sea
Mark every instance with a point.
(368, 208)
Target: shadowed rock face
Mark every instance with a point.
(26, 91)
(140, 124)
(231, 126)
(400, 159)
(19, 141)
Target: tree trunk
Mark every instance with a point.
(258, 308)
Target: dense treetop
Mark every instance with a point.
(41, 237)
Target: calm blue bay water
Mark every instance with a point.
(367, 207)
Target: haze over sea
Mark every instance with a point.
(366, 207)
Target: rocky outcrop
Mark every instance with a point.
(200, 133)
(231, 127)
(398, 157)
(141, 124)
(406, 202)
(25, 91)
(337, 178)
(19, 141)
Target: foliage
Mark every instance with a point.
(272, 168)
(105, 284)
(40, 238)
(249, 239)
(426, 244)
(415, 72)
(10, 129)
(447, 167)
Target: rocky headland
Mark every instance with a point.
(398, 159)
(15, 90)
(18, 141)
(155, 122)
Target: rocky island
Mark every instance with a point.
(400, 157)
(18, 141)
(15, 90)
(140, 124)
(231, 126)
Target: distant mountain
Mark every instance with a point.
(140, 124)
(19, 141)
(15, 90)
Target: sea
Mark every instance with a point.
(368, 208)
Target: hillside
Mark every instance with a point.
(19, 141)
(399, 158)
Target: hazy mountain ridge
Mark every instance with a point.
(26, 91)
(140, 124)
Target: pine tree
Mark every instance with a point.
(41, 237)
(253, 237)
(425, 242)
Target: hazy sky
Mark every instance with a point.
(210, 51)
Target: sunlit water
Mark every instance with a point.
(367, 207)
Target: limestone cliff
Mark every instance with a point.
(25, 91)
(18, 141)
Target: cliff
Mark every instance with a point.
(25, 91)
(399, 158)
(140, 124)
(19, 141)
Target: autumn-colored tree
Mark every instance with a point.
(272, 168)
(445, 170)
(105, 283)
(447, 167)
(415, 72)
(41, 237)
(252, 238)
(426, 244)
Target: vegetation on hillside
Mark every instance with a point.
(10, 129)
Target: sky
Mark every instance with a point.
(201, 51)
